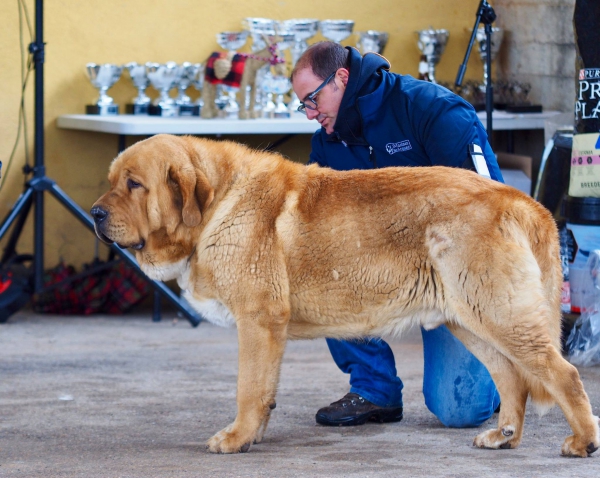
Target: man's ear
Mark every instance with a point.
(196, 193)
(343, 74)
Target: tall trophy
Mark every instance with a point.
(103, 77)
(432, 44)
(139, 78)
(163, 77)
(496, 41)
(303, 29)
(371, 41)
(231, 41)
(184, 79)
(336, 30)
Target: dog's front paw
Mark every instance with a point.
(504, 437)
(229, 441)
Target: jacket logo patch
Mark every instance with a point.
(393, 148)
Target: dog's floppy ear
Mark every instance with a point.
(196, 193)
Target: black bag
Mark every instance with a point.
(15, 285)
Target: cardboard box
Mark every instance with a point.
(515, 161)
(516, 170)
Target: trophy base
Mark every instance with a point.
(133, 109)
(523, 108)
(102, 110)
(281, 114)
(189, 110)
(156, 110)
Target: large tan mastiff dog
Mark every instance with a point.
(285, 251)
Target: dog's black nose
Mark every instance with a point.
(98, 214)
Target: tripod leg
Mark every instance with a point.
(159, 287)
(21, 210)
(156, 307)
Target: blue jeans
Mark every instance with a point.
(458, 389)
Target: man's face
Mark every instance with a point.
(328, 100)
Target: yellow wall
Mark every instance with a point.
(119, 31)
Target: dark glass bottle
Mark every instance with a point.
(586, 21)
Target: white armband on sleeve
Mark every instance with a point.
(479, 161)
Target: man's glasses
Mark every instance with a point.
(310, 101)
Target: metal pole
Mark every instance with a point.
(39, 171)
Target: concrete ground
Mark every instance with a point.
(125, 397)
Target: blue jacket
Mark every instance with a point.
(387, 119)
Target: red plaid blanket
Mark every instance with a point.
(111, 288)
(234, 77)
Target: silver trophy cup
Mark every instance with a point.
(163, 77)
(186, 74)
(496, 41)
(432, 44)
(371, 41)
(280, 86)
(103, 77)
(139, 78)
(303, 29)
(259, 27)
(336, 30)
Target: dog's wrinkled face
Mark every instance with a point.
(155, 192)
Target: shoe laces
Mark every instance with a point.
(351, 398)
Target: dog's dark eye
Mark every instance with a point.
(131, 184)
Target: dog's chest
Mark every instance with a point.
(212, 310)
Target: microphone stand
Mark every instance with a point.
(485, 15)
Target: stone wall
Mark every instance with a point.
(539, 48)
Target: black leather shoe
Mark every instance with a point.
(355, 410)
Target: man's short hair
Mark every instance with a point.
(323, 58)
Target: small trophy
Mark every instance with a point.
(371, 41)
(103, 77)
(163, 77)
(432, 44)
(139, 105)
(267, 85)
(280, 86)
(185, 76)
(496, 41)
(336, 30)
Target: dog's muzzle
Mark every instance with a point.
(100, 215)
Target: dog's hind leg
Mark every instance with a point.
(261, 347)
(541, 359)
(511, 387)
(528, 346)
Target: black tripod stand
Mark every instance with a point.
(33, 195)
(485, 14)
